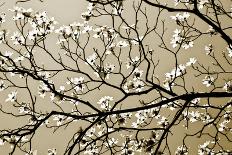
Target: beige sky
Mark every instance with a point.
(68, 11)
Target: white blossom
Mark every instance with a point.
(191, 61)
(208, 80)
(92, 58)
(122, 44)
(132, 62)
(227, 87)
(12, 96)
(2, 85)
(2, 36)
(91, 132)
(32, 152)
(87, 29)
(181, 17)
(187, 44)
(209, 49)
(77, 83)
(229, 49)
(202, 3)
(182, 150)
(2, 18)
(52, 151)
(59, 119)
(17, 38)
(105, 102)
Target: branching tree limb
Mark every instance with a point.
(133, 77)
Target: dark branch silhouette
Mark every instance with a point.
(125, 85)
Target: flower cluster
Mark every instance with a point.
(186, 2)
(91, 149)
(179, 38)
(104, 72)
(12, 96)
(105, 31)
(195, 116)
(77, 83)
(224, 125)
(144, 115)
(12, 139)
(122, 118)
(105, 102)
(24, 108)
(117, 8)
(208, 80)
(170, 77)
(59, 119)
(181, 17)
(21, 13)
(72, 31)
(92, 58)
(132, 62)
(163, 122)
(122, 44)
(43, 88)
(228, 86)
(17, 38)
(59, 97)
(44, 74)
(163, 112)
(202, 3)
(182, 150)
(206, 149)
(135, 84)
(41, 24)
(87, 15)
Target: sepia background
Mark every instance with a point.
(68, 11)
